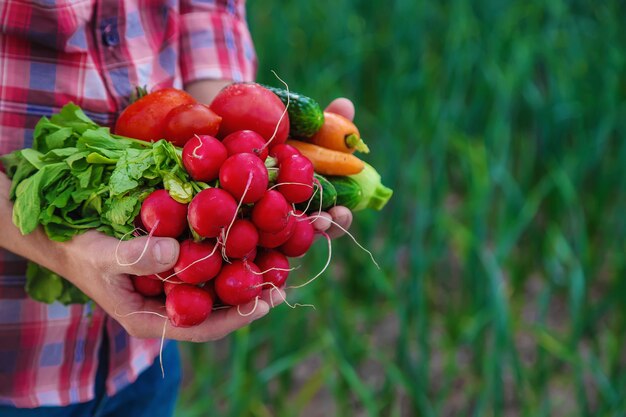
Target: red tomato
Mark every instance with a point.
(250, 106)
(143, 119)
(182, 122)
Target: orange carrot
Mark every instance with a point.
(327, 161)
(340, 134)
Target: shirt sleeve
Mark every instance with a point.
(215, 41)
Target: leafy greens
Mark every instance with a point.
(79, 176)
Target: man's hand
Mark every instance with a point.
(101, 267)
(106, 280)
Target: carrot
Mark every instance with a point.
(327, 161)
(340, 134)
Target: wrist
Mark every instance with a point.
(205, 90)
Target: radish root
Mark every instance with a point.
(161, 349)
(132, 313)
(167, 278)
(282, 116)
(330, 254)
(225, 235)
(320, 188)
(139, 312)
(256, 304)
(289, 183)
(143, 252)
(275, 288)
(273, 269)
(349, 234)
(195, 155)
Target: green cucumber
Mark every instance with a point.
(362, 190)
(349, 192)
(328, 195)
(306, 116)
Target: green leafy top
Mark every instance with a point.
(79, 176)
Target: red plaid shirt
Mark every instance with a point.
(92, 53)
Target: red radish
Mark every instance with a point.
(197, 261)
(282, 151)
(203, 156)
(187, 120)
(139, 226)
(274, 265)
(166, 275)
(238, 283)
(211, 211)
(295, 178)
(188, 305)
(301, 239)
(250, 106)
(171, 215)
(171, 282)
(271, 212)
(246, 141)
(274, 240)
(241, 239)
(148, 285)
(244, 173)
(210, 288)
(250, 256)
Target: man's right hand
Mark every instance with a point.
(101, 267)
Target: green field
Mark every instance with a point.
(501, 126)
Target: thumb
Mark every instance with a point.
(343, 107)
(145, 255)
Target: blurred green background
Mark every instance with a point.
(500, 125)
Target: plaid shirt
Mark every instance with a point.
(92, 53)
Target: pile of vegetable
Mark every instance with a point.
(238, 182)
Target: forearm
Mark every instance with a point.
(205, 90)
(34, 246)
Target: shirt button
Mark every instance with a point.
(110, 37)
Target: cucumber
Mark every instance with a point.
(349, 191)
(361, 191)
(306, 116)
(329, 196)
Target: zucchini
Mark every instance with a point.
(306, 116)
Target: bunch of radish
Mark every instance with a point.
(237, 235)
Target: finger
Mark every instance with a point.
(342, 106)
(143, 255)
(343, 217)
(220, 323)
(274, 296)
(321, 221)
(146, 318)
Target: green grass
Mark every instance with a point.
(501, 126)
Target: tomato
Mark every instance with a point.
(184, 121)
(143, 119)
(250, 106)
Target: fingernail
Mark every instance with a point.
(278, 297)
(164, 251)
(261, 310)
